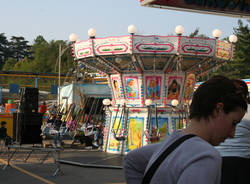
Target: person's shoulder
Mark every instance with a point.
(200, 147)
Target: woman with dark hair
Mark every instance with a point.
(217, 107)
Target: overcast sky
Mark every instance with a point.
(57, 19)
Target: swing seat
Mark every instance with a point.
(122, 138)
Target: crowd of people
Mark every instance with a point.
(89, 133)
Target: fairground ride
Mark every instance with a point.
(151, 78)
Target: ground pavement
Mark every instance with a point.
(77, 166)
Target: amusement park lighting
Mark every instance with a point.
(148, 102)
(73, 37)
(131, 29)
(179, 30)
(92, 33)
(174, 102)
(233, 38)
(217, 33)
(106, 102)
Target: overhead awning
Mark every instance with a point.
(230, 8)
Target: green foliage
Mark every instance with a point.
(196, 34)
(19, 48)
(4, 50)
(9, 64)
(41, 57)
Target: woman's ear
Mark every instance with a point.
(218, 108)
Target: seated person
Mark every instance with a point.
(98, 135)
(3, 134)
(46, 128)
(56, 124)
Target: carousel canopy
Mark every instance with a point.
(139, 54)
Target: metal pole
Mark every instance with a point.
(59, 74)
(36, 82)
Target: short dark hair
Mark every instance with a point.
(215, 90)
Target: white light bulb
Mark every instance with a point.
(92, 32)
(131, 29)
(106, 102)
(174, 102)
(73, 37)
(217, 33)
(233, 38)
(179, 30)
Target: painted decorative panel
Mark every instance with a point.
(116, 126)
(174, 83)
(189, 86)
(223, 50)
(155, 44)
(135, 133)
(112, 45)
(197, 46)
(117, 88)
(153, 87)
(133, 89)
(83, 49)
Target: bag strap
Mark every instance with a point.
(151, 171)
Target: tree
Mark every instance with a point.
(4, 49)
(19, 48)
(196, 34)
(9, 64)
(242, 57)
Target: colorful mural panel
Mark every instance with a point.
(174, 84)
(153, 87)
(135, 133)
(114, 145)
(117, 87)
(223, 50)
(132, 87)
(189, 86)
(163, 125)
(177, 123)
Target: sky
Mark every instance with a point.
(57, 19)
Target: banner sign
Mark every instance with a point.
(83, 49)
(155, 44)
(112, 45)
(197, 46)
(223, 50)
